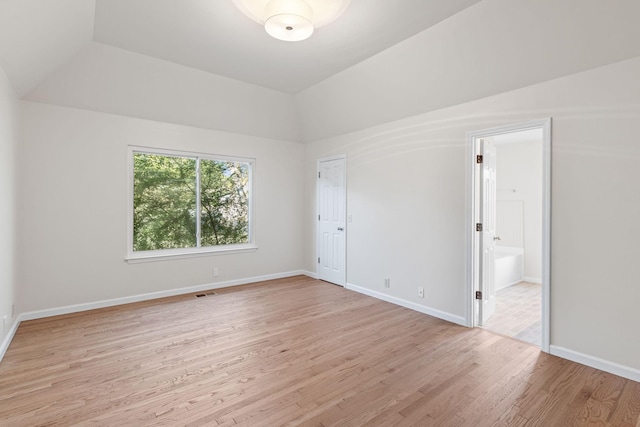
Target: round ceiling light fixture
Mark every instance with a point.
(292, 20)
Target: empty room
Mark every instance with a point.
(319, 212)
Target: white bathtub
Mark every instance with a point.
(509, 266)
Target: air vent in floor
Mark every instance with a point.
(205, 294)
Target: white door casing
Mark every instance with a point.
(488, 234)
(474, 207)
(331, 215)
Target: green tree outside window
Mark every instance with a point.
(167, 204)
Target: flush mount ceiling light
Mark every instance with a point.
(292, 20)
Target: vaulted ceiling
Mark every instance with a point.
(38, 36)
(203, 63)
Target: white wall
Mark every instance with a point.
(113, 80)
(9, 138)
(490, 47)
(407, 194)
(519, 167)
(73, 209)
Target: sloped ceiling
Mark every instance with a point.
(38, 36)
(202, 63)
(213, 36)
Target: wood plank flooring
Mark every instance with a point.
(294, 351)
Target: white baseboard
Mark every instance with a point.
(408, 304)
(9, 337)
(535, 280)
(39, 314)
(595, 362)
(310, 274)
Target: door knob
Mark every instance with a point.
(340, 229)
(496, 238)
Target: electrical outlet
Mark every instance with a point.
(387, 282)
(216, 272)
(420, 291)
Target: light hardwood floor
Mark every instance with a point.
(294, 351)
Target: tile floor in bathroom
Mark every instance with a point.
(518, 312)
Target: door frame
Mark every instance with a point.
(317, 212)
(472, 238)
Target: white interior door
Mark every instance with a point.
(488, 234)
(331, 221)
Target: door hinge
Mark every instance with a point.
(479, 158)
(478, 294)
(478, 227)
(318, 217)
(318, 260)
(318, 174)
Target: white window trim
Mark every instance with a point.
(170, 254)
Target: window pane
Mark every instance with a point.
(224, 202)
(164, 201)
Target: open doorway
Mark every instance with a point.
(518, 234)
(510, 188)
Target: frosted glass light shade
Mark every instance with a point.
(301, 16)
(289, 20)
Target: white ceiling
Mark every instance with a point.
(37, 36)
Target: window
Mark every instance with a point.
(186, 203)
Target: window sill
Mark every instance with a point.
(168, 255)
